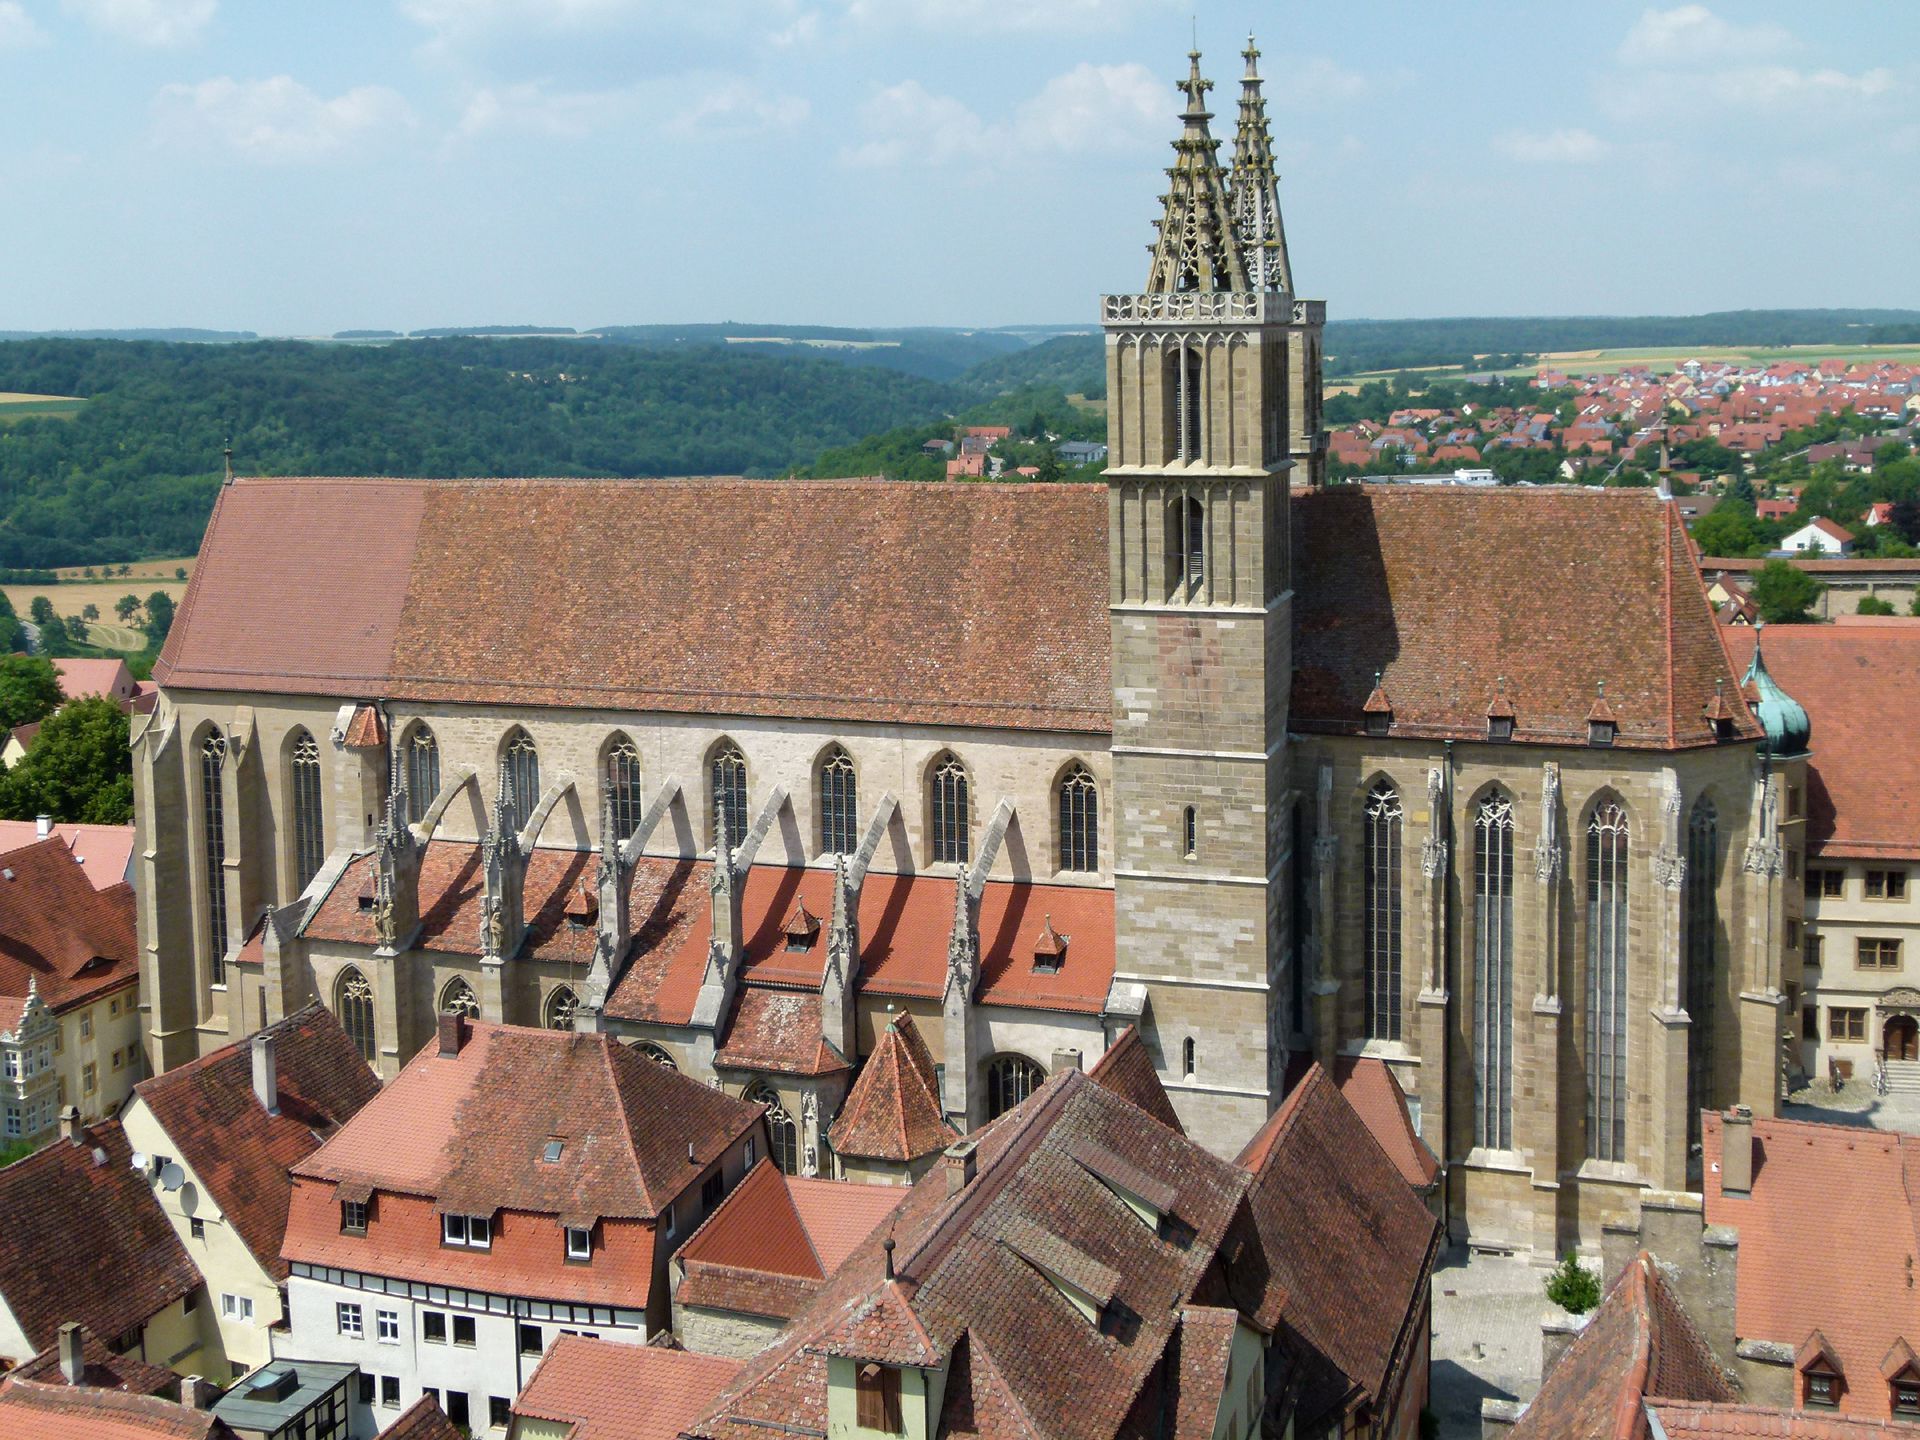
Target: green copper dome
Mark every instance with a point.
(1788, 729)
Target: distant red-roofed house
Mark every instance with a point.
(594, 1390)
(968, 466)
(88, 679)
(1782, 509)
(1819, 536)
(105, 850)
(1879, 513)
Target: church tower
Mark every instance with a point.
(1199, 451)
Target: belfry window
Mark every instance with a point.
(309, 842)
(948, 811)
(213, 764)
(1607, 982)
(353, 1003)
(423, 773)
(1703, 923)
(839, 804)
(727, 789)
(1079, 820)
(1384, 819)
(1184, 402)
(1493, 973)
(1186, 548)
(623, 789)
(520, 766)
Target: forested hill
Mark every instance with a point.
(133, 473)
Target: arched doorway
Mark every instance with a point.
(1902, 1037)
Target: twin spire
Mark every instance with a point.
(1221, 230)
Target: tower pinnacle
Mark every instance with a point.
(1256, 187)
(1196, 247)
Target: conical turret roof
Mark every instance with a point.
(1197, 247)
(1255, 187)
(1789, 731)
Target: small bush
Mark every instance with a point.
(1573, 1287)
(1874, 605)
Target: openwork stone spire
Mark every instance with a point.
(1197, 247)
(1256, 188)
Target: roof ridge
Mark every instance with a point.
(626, 1120)
(1667, 513)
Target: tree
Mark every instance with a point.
(79, 768)
(11, 636)
(90, 611)
(1573, 1287)
(1785, 593)
(179, 572)
(1728, 530)
(1050, 468)
(126, 569)
(29, 689)
(41, 610)
(76, 629)
(125, 606)
(159, 618)
(1874, 605)
(1742, 490)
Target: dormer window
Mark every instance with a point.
(1602, 727)
(579, 1243)
(1378, 711)
(1901, 1370)
(353, 1217)
(1500, 714)
(802, 928)
(876, 1390)
(1719, 712)
(1821, 1381)
(470, 1232)
(583, 906)
(1049, 950)
(1823, 1388)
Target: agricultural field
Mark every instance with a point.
(1659, 359)
(16, 406)
(72, 597)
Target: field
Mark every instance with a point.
(16, 406)
(1658, 359)
(75, 594)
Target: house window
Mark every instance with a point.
(386, 1326)
(89, 1079)
(213, 761)
(747, 1153)
(1822, 1389)
(353, 1003)
(520, 770)
(948, 811)
(196, 1227)
(390, 1392)
(423, 772)
(530, 1339)
(433, 1327)
(1384, 817)
(1701, 917)
(309, 839)
(727, 790)
(1825, 883)
(579, 1243)
(346, 1317)
(1879, 954)
(624, 799)
(474, 1232)
(1493, 972)
(562, 1005)
(86, 1026)
(839, 804)
(463, 1331)
(1793, 863)
(1846, 1023)
(117, 1062)
(366, 1388)
(1079, 820)
(1607, 836)
(1793, 934)
(1011, 1079)
(499, 1412)
(458, 999)
(876, 1391)
(783, 1136)
(236, 1307)
(353, 1217)
(1886, 884)
(711, 1189)
(1906, 1397)
(1816, 950)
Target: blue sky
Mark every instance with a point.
(296, 167)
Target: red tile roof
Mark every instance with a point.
(953, 591)
(1566, 588)
(608, 1391)
(1859, 684)
(82, 679)
(104, 1369)
(1370, 1087)
(60, 1412)
(1127, 1069)
(778, 1032)
(74, 942)
(104, 850)
(240, 1153)
(1702, 1420)
(115, 1271)
(1204, 1344)
(422, 1420)
(893, 1110)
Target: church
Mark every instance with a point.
(745, 772)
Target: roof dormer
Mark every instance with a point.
(801, 927)
(1603, 726)
(1500, 715)
(1822, 1382)
(1901, 1371)
(1378, 711)
(1049, 949)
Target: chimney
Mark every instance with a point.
(266, 1074)
(42, 826)
(453, 1032)
(1065, 1060)
(73, 1364)
(70, 1123)
(1736, 1151)
(961, 1165)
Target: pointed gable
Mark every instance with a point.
(1127, 1070)
(893, 1110)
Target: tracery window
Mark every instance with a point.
(458, 999)
(783, 1135)
(353, 1003)
(1607, 982)
(657, 1055)
(623, 789)
(560, 1008)
(1079, 820)
(213, 813)
(727, 787)
(839, 804)
(309, 841)
(520, 766)
(423, 773)
(1011, 1079)
(1493, 972)
(1703, 925)
(1384, 820)
(949, 812)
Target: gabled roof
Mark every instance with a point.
(240, 1153)
(1707, 1420)
(778, 1032)
(104, 850)
(607, 1391)
(1127, 1070)
(893, 1110)
(58, 932)
(103, 1370)
(81, 1238)
(30, 1411)
(423, 1420)
(1370, 1087)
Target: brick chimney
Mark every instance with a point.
(961, 1164)
(42, 826)
(73, 1363)
(266, 1074)
(70, 1128)
(1736, 1151)
(453, 1032)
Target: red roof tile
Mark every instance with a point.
(423, 1420)
(1205, 1345)
(104, 850)
(1370, 1087)
(1701, 1420)
(104, 1369)
(893, 1110)
(74, 942)
(608, 1391)
(60, 1412)
(1127, 1069)
(778, 1032)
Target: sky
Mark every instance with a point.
(293, 167)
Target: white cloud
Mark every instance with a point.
(978, 15)
(909, 122)
(1318, 81)
(531, 109)
(1554, 147)
(1779, 84)
(705, 107)
(17, 30)
(464, 19)
(1694, 35)
(276, 121)
(728, 108)
(1094, 107)
(804, 30)
(145, 22)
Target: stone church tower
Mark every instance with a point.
(1202, 382)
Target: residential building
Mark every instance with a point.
(31, 1411)
(220, 1134)
(106, 851)
(289, 1399)
(69, 974)
(510, 1185)
(1819, 536)
(1847, 581)
(1081, 452)
(97, 679)
(596, 1390)
(78, 1357)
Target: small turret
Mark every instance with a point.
(1789, 731)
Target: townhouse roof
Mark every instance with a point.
(1707, 1420)
(893, 1111)
(1345, 1239)
(111, 1271)
(82, 678)
(602, 1390)
(1861, 1183)
(1858, 684)
(101, 1369)
(58, 933)
(422, 1420)
(1127, 1069)
(944, 604)
(32, 1411)
(105, 850)
(1371, 1088)
(240, 1153)
(1568, 588)
(1637, 1345)
(469, 1130)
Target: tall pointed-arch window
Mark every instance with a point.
(213, 816)
(1011, 1079)
(839, 804)
(458, 999)
(1702, 911)
(520, 767)
(309, 841)
(1079, 820)
(783, 1135)
(562, 1004)
(1493, 972)
(727, 789)
(1607, 982)
(1186, 542)
(353, 1003)
(1384, 819)
(948, 811)
(623, 789)
(1184, 401)
(423, 772)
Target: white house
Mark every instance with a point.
(1820, 536)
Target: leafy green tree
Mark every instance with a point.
(1785, 594)
(76, 629)
(29, 689)
(1874, 605)
(159, 618)
(41, 609)
(1573, 1287)
(179, 572)
(1050, 468)
(79, 768)
(12, 638)
(125, 606)
(1741, 489)
(126, 569)
(90, 612)
(1728, 530)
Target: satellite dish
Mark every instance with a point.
(139, 1161)
(189, 1199)
(172, 1177)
